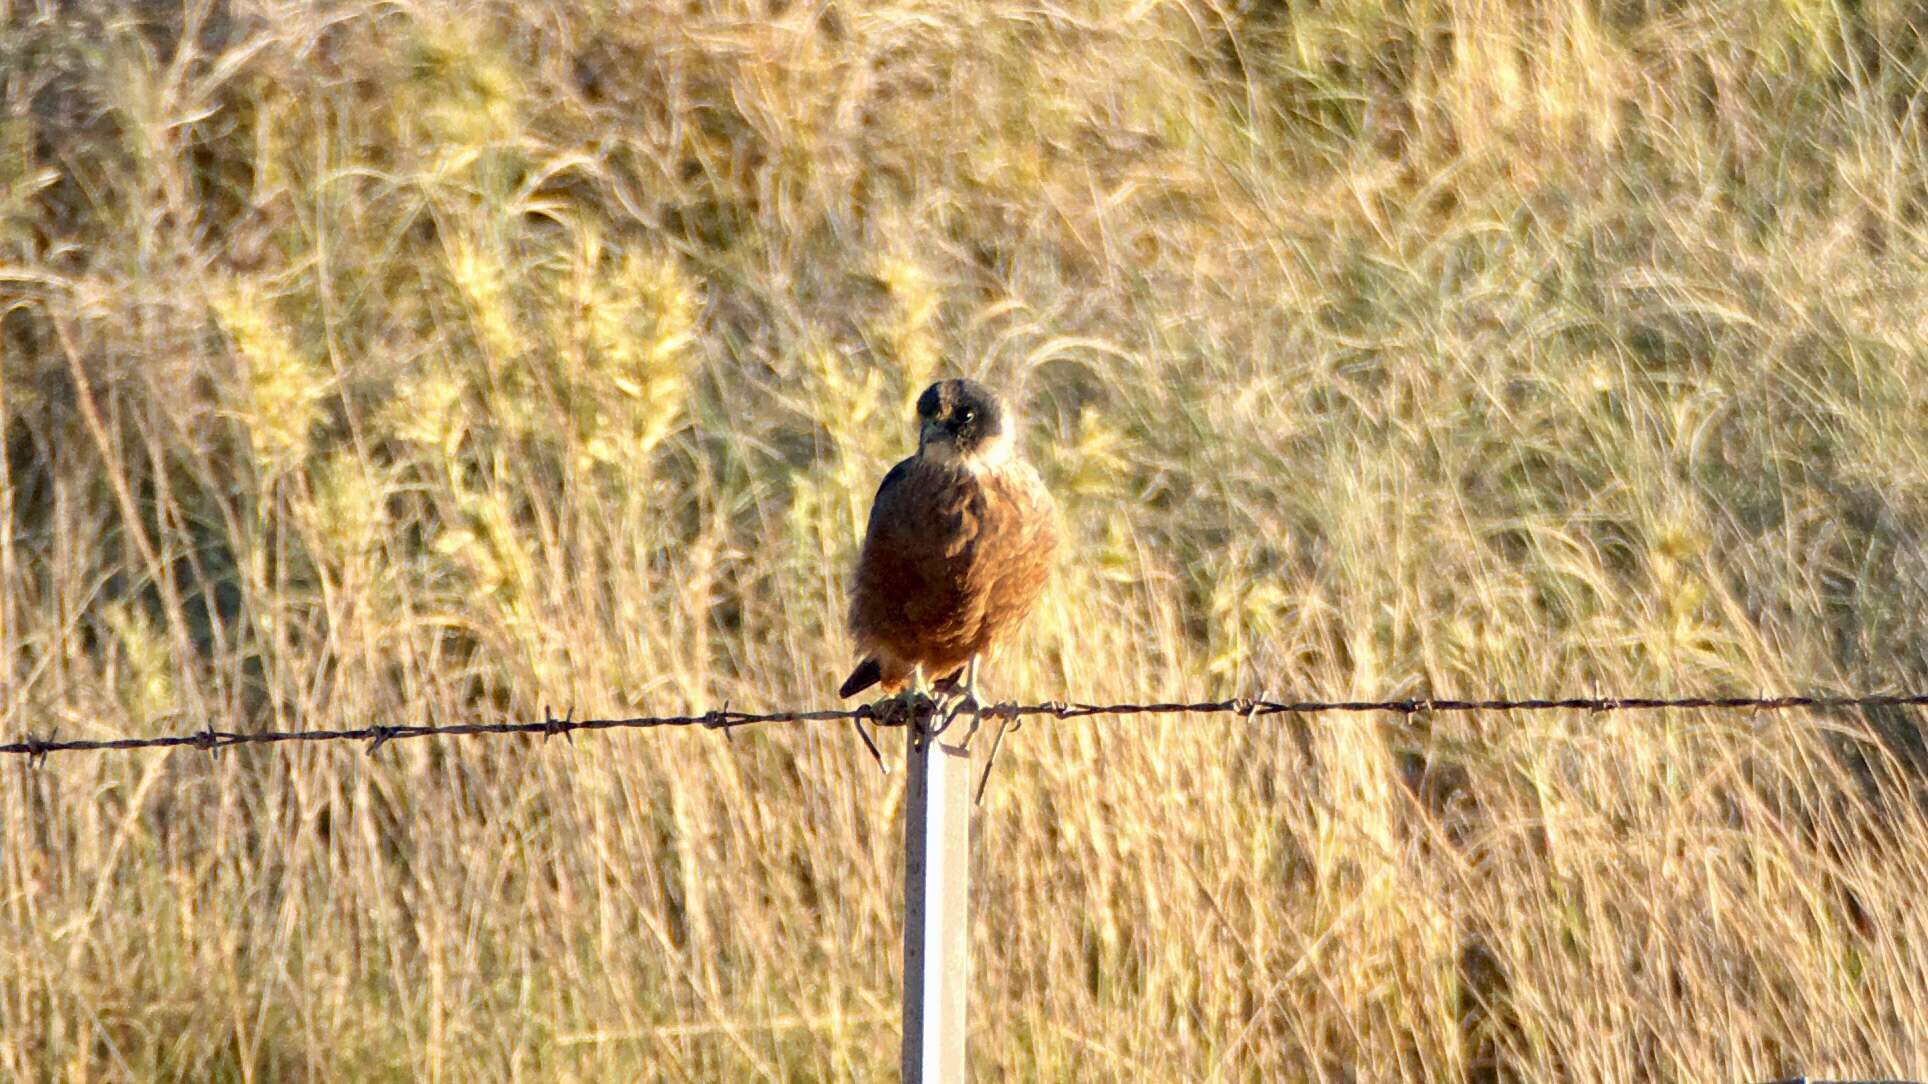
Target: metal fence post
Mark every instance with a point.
(937, 881)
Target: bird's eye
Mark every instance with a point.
(967, 415)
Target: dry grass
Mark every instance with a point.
(424, 362)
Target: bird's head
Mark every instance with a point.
(962, 422)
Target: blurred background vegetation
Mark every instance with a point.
(422, 362)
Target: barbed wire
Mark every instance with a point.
(36, 748)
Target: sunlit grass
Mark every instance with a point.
(434, 362)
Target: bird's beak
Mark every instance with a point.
(929, 432)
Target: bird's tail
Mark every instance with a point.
(868, 672)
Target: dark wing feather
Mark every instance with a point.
(910, 576)
(885, 572)
(888, 573)
(887, 492)
(868, 673)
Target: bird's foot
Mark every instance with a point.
(904, 708)
(965, 692)
(964, 702)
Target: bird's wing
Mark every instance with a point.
(890, 492)
(885, 571)
(916, 588)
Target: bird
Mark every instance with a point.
(961, 539)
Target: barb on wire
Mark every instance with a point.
(36, 748)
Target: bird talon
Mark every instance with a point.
(962, 704)
(890, 710)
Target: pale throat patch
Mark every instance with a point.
(1001, 448)
(991, 456)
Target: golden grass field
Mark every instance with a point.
(434, 362)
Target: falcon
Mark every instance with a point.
(961, 538)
